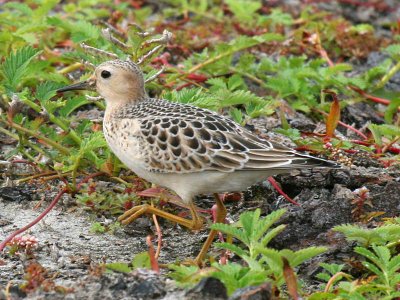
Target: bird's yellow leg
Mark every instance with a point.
(135, 212)
(221, 214)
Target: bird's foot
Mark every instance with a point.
(137, 211)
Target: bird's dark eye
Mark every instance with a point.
(105, 74)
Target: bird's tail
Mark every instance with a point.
(302, 161)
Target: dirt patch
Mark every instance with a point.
(70, 250)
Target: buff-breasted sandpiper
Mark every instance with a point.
(187, 149)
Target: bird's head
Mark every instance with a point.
(117, 81)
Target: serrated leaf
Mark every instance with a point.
(278, 17)
(372, 268)
(272, 257)
(332, 268)
(265, 223)
(47, 90)
(234, 82)
(236, 115)
(94, 141)
(72, 104)
(298, 257)
(394, 264)
(229, 229)
(271, 234)
(367, 253)
(83, 31)
(216, 83)
(16, 64)
(338, 68)
(235, 249)
(243, 9)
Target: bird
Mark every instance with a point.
(187, 149)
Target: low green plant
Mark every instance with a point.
(381, 261)
(381, 280)
(384, 134)
(261, 263)
(109, 201)
(140, 260)
(385, 235)
(225, 93)
(97, 227)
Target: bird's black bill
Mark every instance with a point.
(84, 85)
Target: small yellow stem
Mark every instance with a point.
(70, 68)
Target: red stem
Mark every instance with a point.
(34, 222)
(4, 243)
(354, 130)
(153, 261)
(276, 186)
(87, 178)
(370, 97)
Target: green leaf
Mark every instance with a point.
(393, 51)
(373, 269)
(141, 260)
(16, 64)
(394, 264)
(391, 110)
(380, 236)
(367, 253)
(72, 104)
(271, 234)
(94, 141)
(267, 222)
(332, 268)
(47, 90)
(249, 220)
(273, 258)
(298, 257)
(237, 115)
(233, 248)
(322, 296)
(186, 275)
(323, 276)
(21, 7)
(235, 82)
(216, 83)
(229, 229)
(278, 17)
(118, 267)
(243, 10)
(97, 228)
(83, 31)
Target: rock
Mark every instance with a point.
(208, 288)
(360, 114)
(17, 193)
(260, 292)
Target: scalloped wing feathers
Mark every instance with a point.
(184, 139)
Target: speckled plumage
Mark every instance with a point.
(157, 138)
(184, 148)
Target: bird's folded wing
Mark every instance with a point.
(186, 146)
